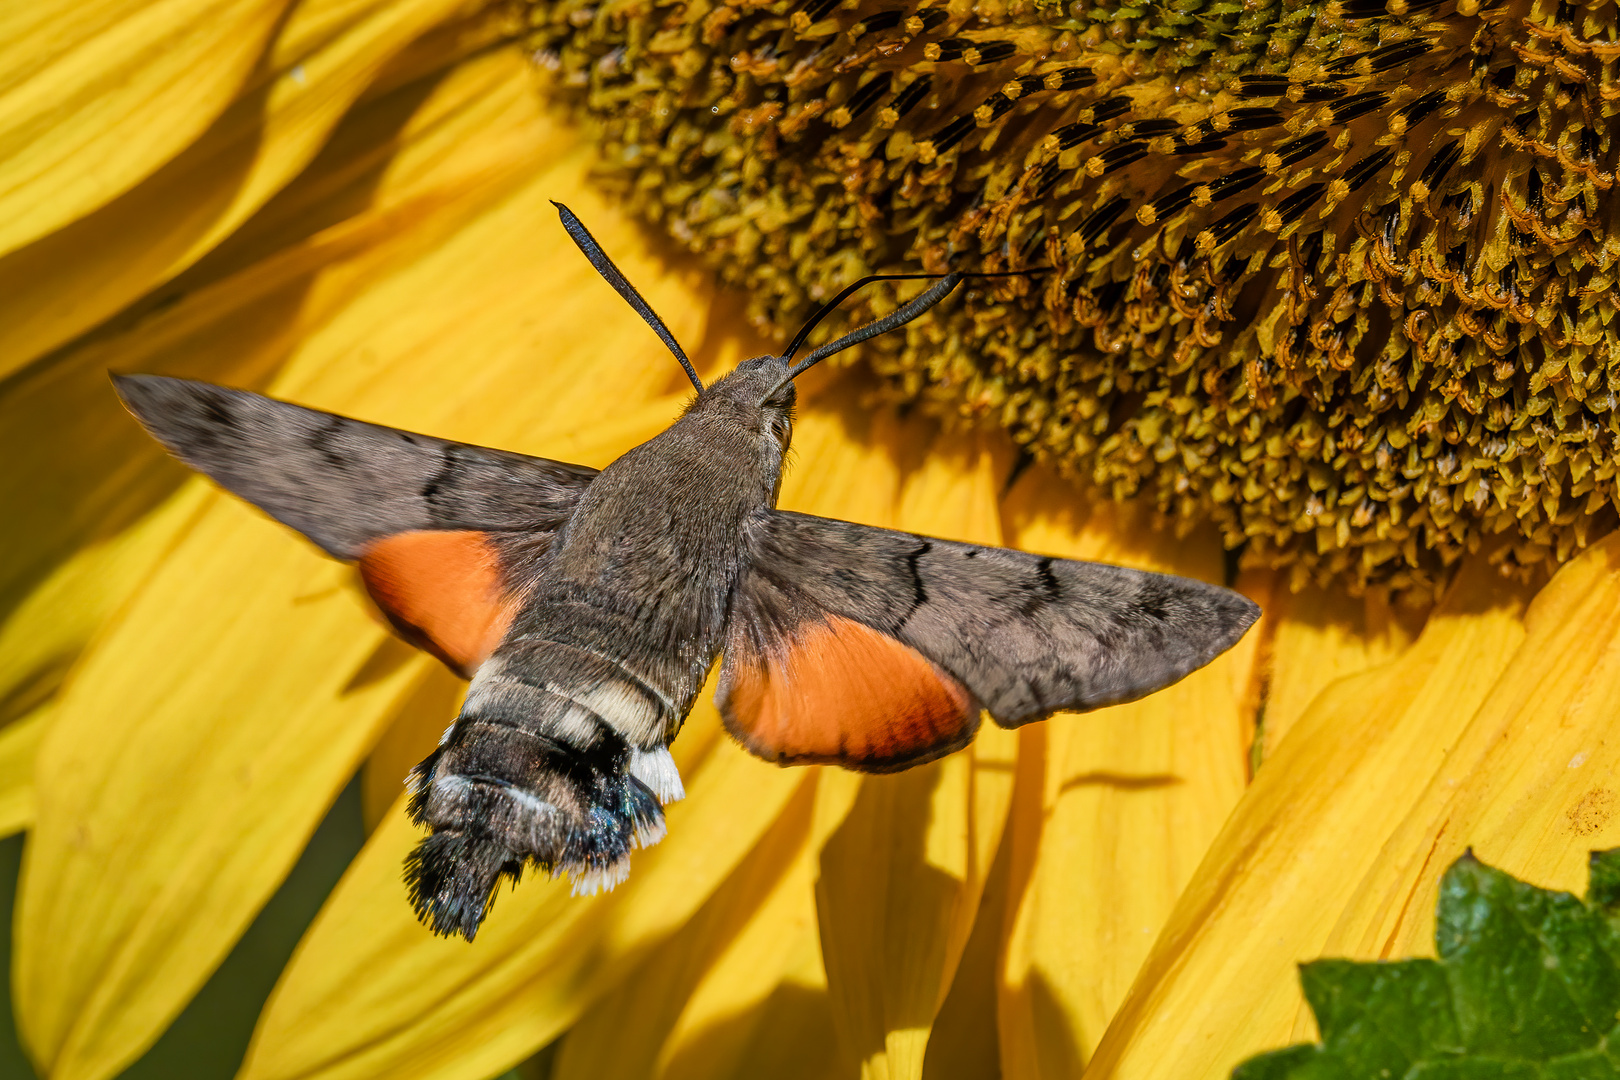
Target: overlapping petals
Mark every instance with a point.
(323, 55)
(1219, 983)
(1126, 805)
(74, 73)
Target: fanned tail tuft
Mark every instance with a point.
(571, 815)
(452, 878)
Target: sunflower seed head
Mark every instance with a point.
(1336, 275)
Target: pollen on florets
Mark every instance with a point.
(1337, 275)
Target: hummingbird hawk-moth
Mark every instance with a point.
(587, 607)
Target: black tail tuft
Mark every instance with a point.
(452, 879)
(420, 785)
(509, 798)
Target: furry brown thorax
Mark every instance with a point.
(1336, 275)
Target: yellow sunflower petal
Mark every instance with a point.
(624, 1034)
(764, 1011)
(162, 829)
(847, 456)
(761, 1008)
(899, 887)
(1250, 663)
(1529, 784)
(123, 950)
(964, 1043)
(1220, 983)
(46, 630)
(80, 78)
(446, 1009)
(902, 875)
(1133, 796)
(412, 733)
(19, 745)
(324, 56)
(1319, 635)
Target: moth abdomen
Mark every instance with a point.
(601, 689)
(529, 775)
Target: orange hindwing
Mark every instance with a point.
(839, 692)
(442, 591)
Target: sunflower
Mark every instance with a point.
(347, 204)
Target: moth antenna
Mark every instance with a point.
(614, 277)
(832, 305)
(893, 320)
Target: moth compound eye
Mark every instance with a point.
(782, 431)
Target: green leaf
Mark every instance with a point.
(1527, 987)
(1278, 1064)
(1603, 881)
(1475, 1069)
(1533, 973)
(1381, 1019)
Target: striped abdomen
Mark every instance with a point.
(556, 759)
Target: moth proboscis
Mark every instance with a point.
(586, 608)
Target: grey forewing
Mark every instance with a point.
(343, 483)
(1026, 634)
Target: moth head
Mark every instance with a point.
(759, 393)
